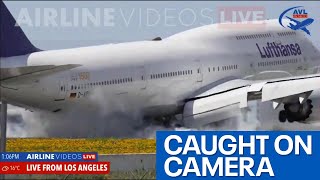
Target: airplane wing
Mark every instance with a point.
(18, 74)
(237, 93)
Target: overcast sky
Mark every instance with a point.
(134, 20)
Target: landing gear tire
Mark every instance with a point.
(283, 116)
(291, 119)
(296, 112)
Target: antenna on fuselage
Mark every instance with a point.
(157, 39)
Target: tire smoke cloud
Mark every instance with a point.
(122, 118)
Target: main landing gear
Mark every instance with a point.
(296, 112)
(165, 121)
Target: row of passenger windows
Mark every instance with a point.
(223, 68)
(103, 83)
(153, 76)
(171, 74)
(253, 36)
(274, 63)
(127, 80)
(177, 73)
(189, 72)
(287, 33)
(230, 67)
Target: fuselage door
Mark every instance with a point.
(141, 77)
(62, 90)
(199, 75)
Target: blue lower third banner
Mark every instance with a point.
(275, 155)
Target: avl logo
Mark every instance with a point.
(300, 13)
(241, 17)
(298, 17)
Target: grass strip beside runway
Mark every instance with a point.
(100, 145)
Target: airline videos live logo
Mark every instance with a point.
(241, 17)
(89, 157)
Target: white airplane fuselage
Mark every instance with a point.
(162, 74)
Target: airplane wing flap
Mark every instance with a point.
(276, 90)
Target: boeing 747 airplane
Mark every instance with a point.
(199, 73)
